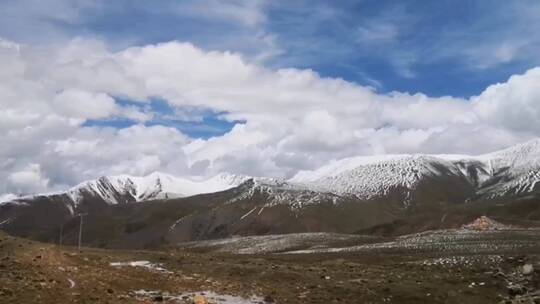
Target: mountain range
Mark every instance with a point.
(388, 194)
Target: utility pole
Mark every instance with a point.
(80, 228)
(61, 234)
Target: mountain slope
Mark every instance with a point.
(153, 186)
(512, 171)
(375, 177)
(121, 189)
(391, 194)
(515, 170)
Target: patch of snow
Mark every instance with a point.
(143, 264)
(178, 221)
(447, 241)
(279, 192)
(249, 212)
(452, 261)
(4, 222)
(7, 197)
(211, 296)
(274, 243)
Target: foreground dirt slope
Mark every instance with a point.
(32, 272)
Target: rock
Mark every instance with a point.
(200, 300)
(527, 269)
(269, 299)
(6, 292)
(515, 289)
(110, 291)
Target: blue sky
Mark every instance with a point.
(436, 47)
(413, 46)
(205, 124)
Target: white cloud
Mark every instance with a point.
(28, 179)
(295, 119)
(514, 104)
(86, 105)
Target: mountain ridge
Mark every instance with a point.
(409, 194)
(512, 170)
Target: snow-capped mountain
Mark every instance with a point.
(122, 189)
(514, 170)
(389, 194)
(281, 192)
(368, 177)
(125, 188)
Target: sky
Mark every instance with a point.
(265, 88)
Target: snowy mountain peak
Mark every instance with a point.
(367, 177)
(511, 171)
(275, 191)
(522, 155)
(126, 188)
(517, 169)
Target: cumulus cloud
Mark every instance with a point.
(81, 104)
(294, 119)
(28, 179)
(513, 104)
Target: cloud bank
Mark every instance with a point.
(294, 119)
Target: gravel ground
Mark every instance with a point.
(32, 272)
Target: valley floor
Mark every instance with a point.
(32, 272)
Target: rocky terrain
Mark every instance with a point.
(35, 272)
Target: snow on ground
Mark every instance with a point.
(5, 222)
(447, 241)
(4, 198)
(275, 243)
(211, 296)
(143, 264)
(463, 260)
